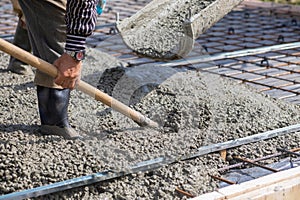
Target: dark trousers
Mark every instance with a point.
(45, 20)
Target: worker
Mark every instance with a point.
(21, 40)
(57, 31)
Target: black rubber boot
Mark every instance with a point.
(53, 108)
(21, 40)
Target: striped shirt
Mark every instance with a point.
(81, 17)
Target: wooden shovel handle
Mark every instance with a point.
(86, 88)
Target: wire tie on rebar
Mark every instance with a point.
(231, 31)
(265, 62)
(112, 31)
(109, 9)
(205, 48)
(246, 15)
(280, 39)
(294, 22)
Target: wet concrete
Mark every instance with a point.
(193, 109)
(166, 29)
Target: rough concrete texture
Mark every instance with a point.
(159, 37)
(167, 29)
(193, 109)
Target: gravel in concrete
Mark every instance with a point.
(193, 109)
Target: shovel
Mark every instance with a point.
(82, 86)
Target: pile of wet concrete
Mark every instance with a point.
(192, 108)
(166, 30)
(157, 34)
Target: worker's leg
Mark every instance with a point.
(45, 20)
(53, 109)
(21, 40)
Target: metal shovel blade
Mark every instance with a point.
(167, 29)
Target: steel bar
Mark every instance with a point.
(257, 71)
(242, 141)
(255, 160)
(287, 151)
(276, 76)
(260, 67)
(255, 164)
(184, 193)
(280, 67)
(287, 96)
(84, 180)
(257, 83)
(56, 187)
(226, 55)
(265, 76)
(266, 85)
(223, 180)
(148, 165)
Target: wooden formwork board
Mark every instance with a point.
(284, 185)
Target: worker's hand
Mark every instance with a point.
(68, 71)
